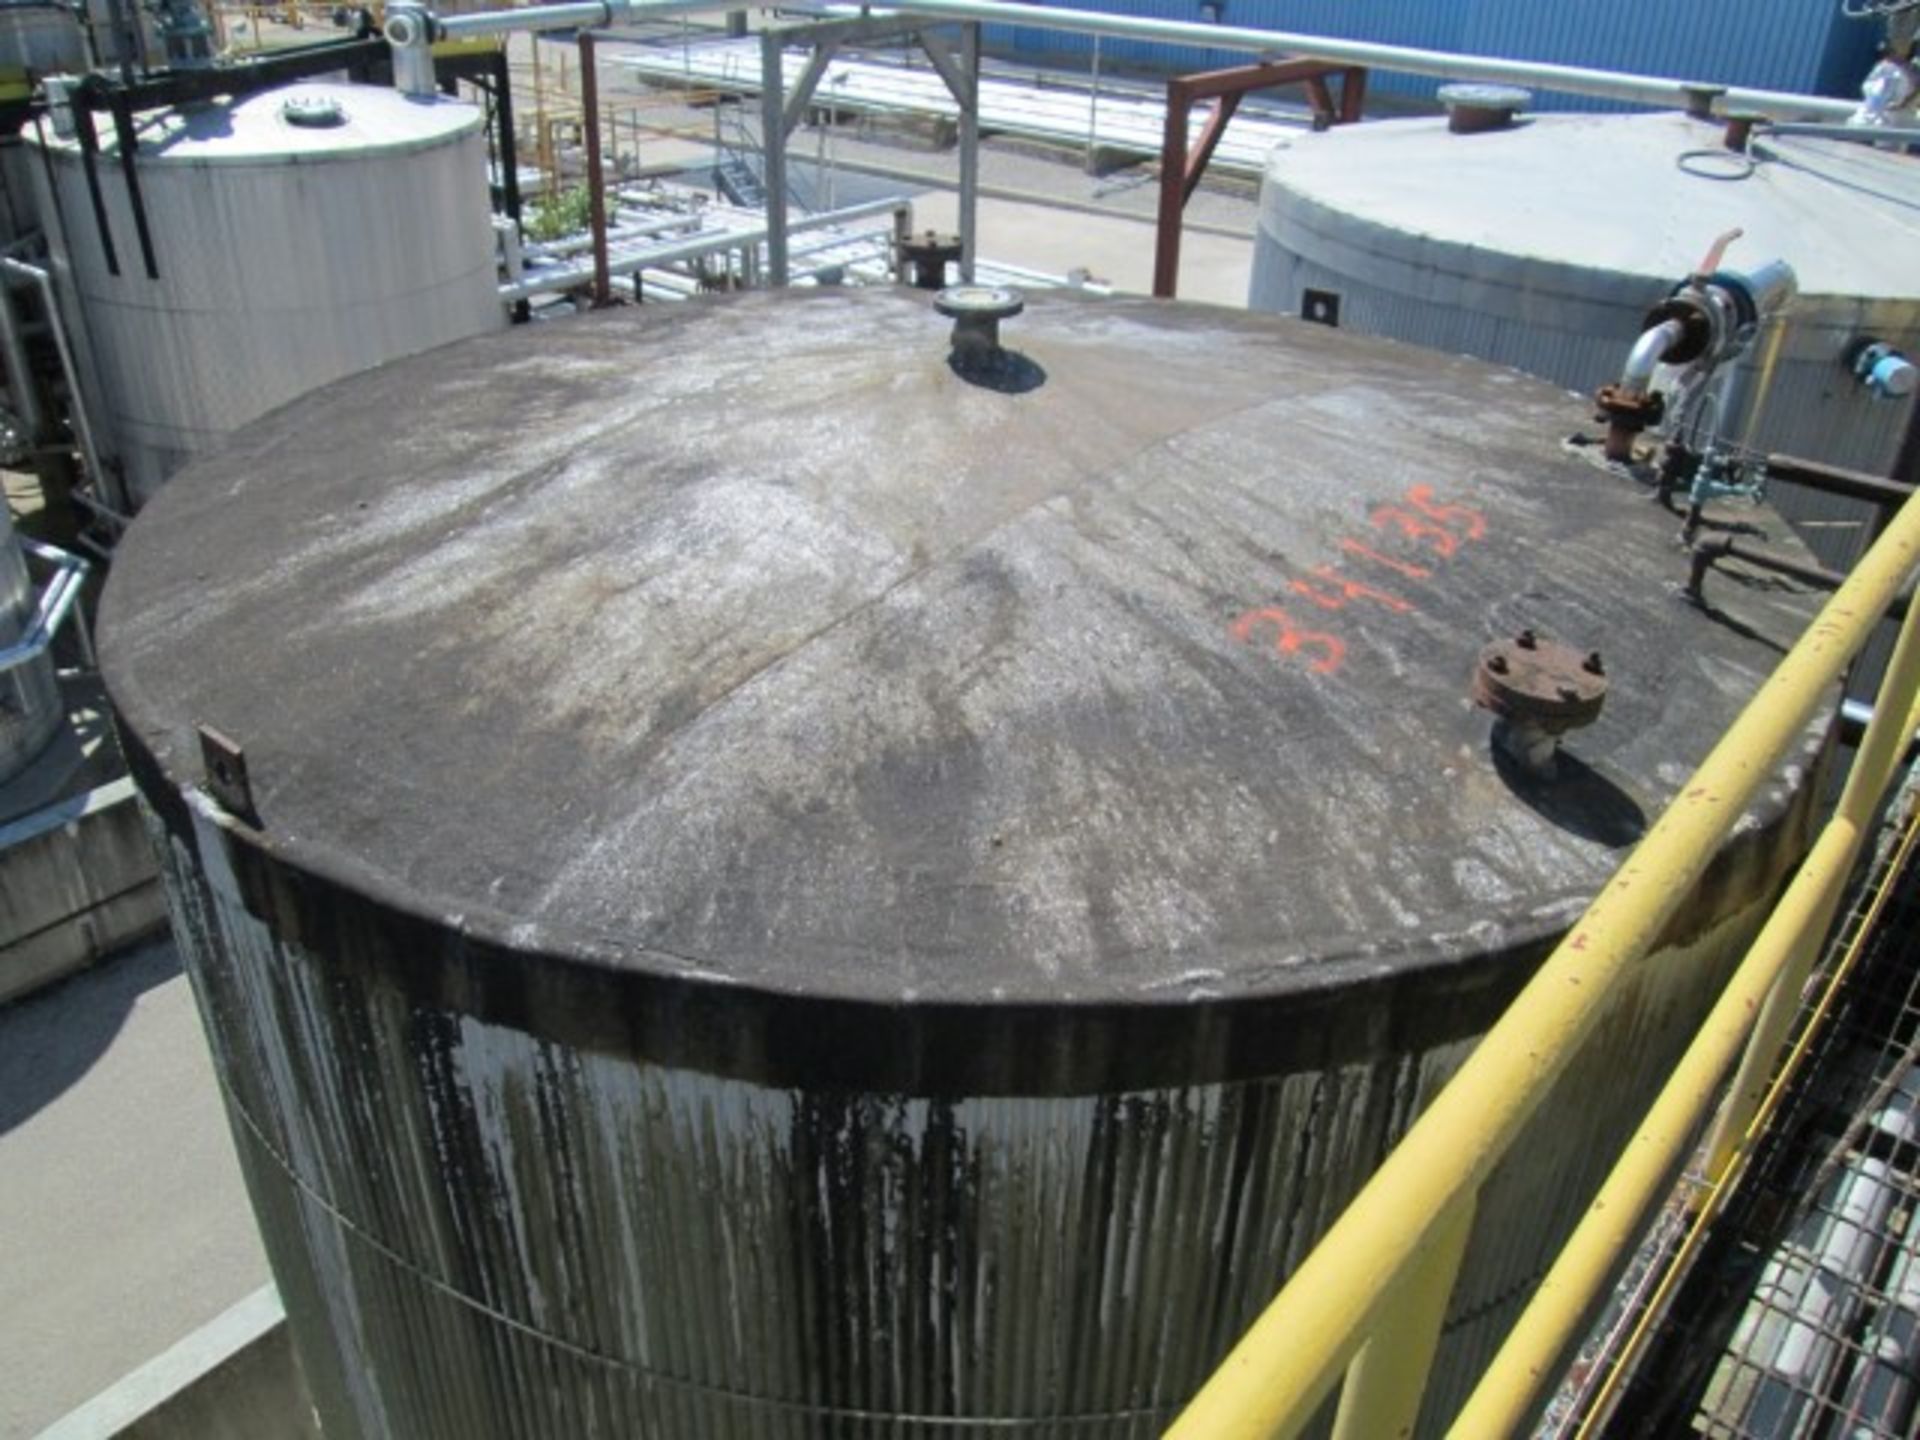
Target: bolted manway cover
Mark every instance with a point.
(746, 682)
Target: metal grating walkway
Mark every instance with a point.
(1802, 1318)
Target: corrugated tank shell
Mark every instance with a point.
(287, 256)
(1542, 247)
(795, 894)
(42, 39)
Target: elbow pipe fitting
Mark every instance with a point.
(1655, 346)
(1629, 405)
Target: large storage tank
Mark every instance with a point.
(1542, 246)
(297, 235)
(40, 37)
(779, 885)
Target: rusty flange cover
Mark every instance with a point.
(1537, 682)
(1623, 407)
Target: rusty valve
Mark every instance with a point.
(1627, 414)
(1539, 690)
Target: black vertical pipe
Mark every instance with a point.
(509, 152)
(129, 144)
(509, 145)
(89, 139)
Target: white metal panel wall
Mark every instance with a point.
(274, 278)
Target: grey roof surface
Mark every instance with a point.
(751, 644)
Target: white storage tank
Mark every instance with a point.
(1542, 245)
(40, 37)
(295, 236)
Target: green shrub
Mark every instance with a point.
(568, 213)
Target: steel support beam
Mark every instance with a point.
(809, 81)
(967, 96)
(781, 112)
(596, 177)
(1181, 168)
(773, 147)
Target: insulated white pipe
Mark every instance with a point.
(1658, 91)
(542, 282)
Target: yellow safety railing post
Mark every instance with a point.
(1880, 750)
(1292, 1355)
(1388, 1378)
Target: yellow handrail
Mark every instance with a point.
(1289, 1360)
(1777, 962)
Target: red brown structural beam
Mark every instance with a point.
(1180, 171)
(596, 180)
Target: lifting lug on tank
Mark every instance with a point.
(226, 774)
(1538, 690)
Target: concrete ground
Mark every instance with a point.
(123, 1221)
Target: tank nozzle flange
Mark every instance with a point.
(976, 312)
(1473, 107)
(1539, 690)
(927, 255)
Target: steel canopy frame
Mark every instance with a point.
(1180, 169)
(780, 113)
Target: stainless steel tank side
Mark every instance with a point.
(773, 889)
(41, 38)
(31, 706)
(1542, 246)
(288, 252)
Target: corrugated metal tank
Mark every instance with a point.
(1543, 245)
(41, 38)
(1797, 45)
(31, 708)
(288, 254)
(781, 890)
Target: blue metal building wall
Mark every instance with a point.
(1802, 45)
